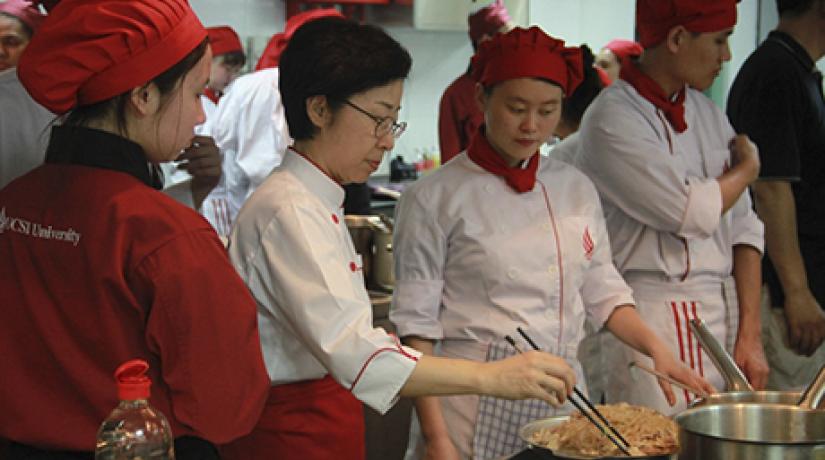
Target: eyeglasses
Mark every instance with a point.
(383, 125)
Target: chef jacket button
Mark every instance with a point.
(488, 188)
(353, 266)
(552, 269)
(335, 218)
(546, 226)
(512, 273)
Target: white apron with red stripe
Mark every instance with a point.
(667, 307)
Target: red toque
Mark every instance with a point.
(487, 20)
(23, 10)
(655, 18)
(277, 44)
(528, 53)
(624, 49)
(223, 40)
(89, 51)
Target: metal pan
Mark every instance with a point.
(527, 431)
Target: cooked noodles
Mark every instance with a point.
(647, 431)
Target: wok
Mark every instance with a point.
(526, 433)
(751, 431)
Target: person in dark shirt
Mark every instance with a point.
(777, 100)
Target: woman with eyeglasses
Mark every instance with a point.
(341, 85)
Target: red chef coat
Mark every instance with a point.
(459, 117)
(97, 268)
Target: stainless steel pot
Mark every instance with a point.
(751, 431)
(372, 238)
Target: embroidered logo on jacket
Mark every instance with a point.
(587, 244)
(33, 229)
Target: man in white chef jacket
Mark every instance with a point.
(673, 178)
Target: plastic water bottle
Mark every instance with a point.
(134, 430)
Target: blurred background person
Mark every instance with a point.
(613, 55)
(458, 114)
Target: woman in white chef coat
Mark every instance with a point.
(341, 85)
(501, 238)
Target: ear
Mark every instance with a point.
(676, 38)
(145, 100)
(318, 111)
(480, 97)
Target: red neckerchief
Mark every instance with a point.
(650, 90)
(211, 94)
(482, 153)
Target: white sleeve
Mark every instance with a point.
(420, 249)
(310, 285)
(747, 228)
(603, 288)
(625, 160)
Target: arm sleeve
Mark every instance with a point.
(603, 289)
(420, 249)
(632, 170)
(747, 228)
(203, 325)
(305, 280)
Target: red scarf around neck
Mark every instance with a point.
(211, 94)
(482, 153)
(650, 90)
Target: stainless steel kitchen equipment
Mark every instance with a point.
(734, 378)
(372, 238)
(751, 431)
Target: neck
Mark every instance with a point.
(807, 31)
(654, 64)
(312, 149)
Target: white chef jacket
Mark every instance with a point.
(24, 129)
(292, 247)
(658, 187)
(250, 128)
(475, 259)
(566, 149)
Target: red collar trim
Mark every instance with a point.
(211, 94)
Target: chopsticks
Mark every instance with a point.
(696, 391)
(578, 406)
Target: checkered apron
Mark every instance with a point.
(499, 420)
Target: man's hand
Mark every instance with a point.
(806, 322)
(749, 355)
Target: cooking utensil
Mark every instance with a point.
(814, 395)
(528, 432)
(623, 445)
(696, 391)
(751, 431)
(734, 378)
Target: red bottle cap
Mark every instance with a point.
(132, 382)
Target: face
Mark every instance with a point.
(609, 63)
(222, 74)
(520, 115)
(358, 152)
(13, 41)
(701, 57)
(173, 121)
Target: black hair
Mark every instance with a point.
(27, 31)
(233, 58)
(336, 58)
(165, 82)
(574, 105)
(793, 8)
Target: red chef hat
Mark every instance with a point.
(23, 10)
(223, 40)
(277, 44)
(655, 18)
(488, 20)
(92, 50)
(528, 53)
(624, 49)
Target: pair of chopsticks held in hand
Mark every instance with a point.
(605, 427)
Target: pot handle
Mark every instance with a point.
(814, 395)
(734, 378)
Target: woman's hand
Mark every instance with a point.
(531, 375)
(668, 365)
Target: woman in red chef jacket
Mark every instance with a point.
(98, 266)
